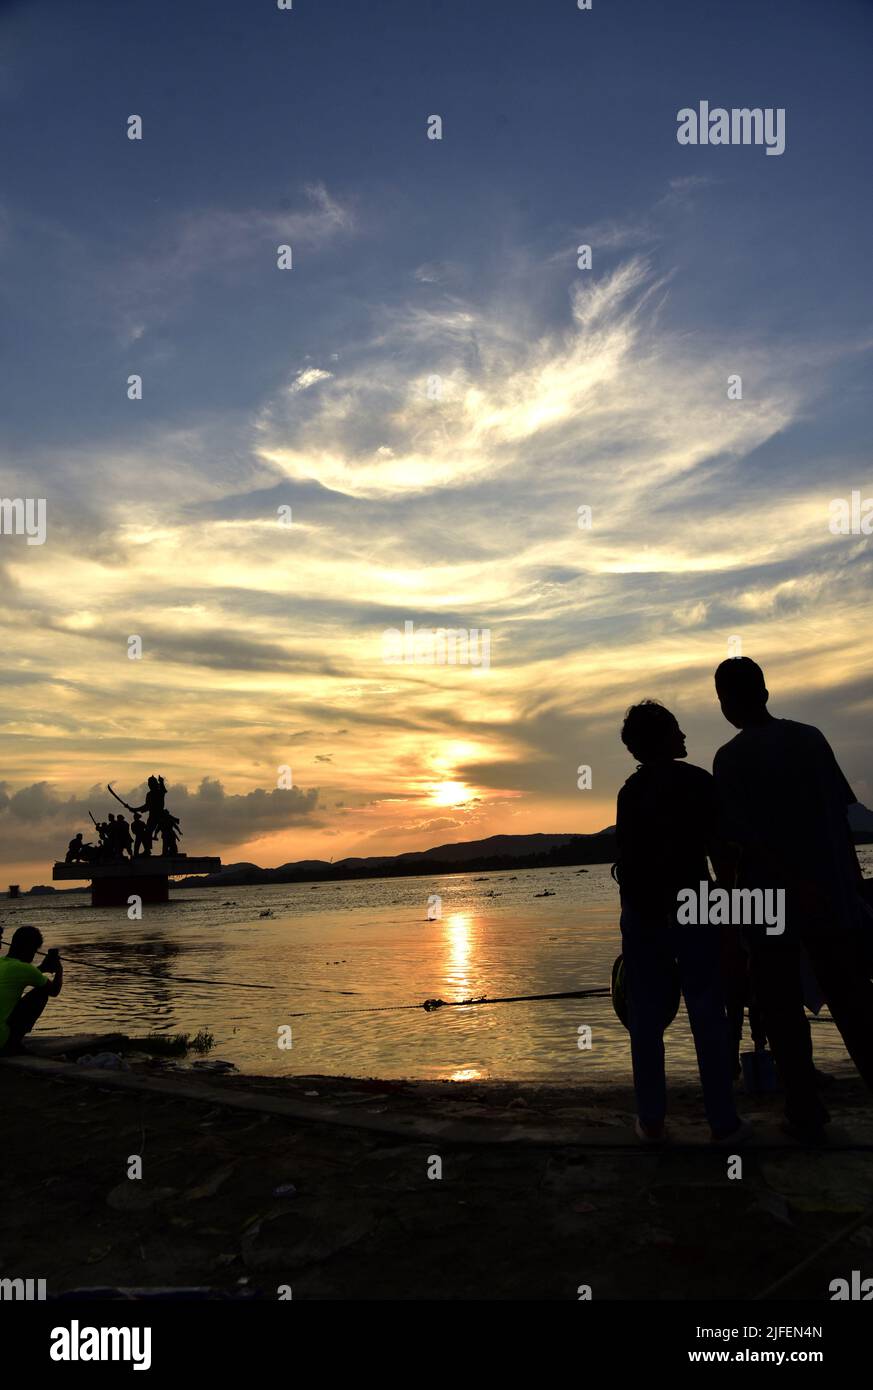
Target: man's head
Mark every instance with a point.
(652, 734)
(742, 691)
(25, 943)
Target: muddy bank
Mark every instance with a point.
(241, 1199)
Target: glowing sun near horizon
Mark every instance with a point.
(450, 794)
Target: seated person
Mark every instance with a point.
(18, 1011)
(75, 850)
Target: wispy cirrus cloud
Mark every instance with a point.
(214, 244)
(208, 241)
(456, 507)
(454, 395)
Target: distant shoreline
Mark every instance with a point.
(214, 881)
(492, 855)
(557, 851)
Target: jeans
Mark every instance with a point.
(652, 948)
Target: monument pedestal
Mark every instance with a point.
(147, 877)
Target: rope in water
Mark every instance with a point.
(431, 1005)
(167, 979)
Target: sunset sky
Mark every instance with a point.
(452, 504)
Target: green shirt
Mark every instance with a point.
(15, 976)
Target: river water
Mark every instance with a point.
(326, 949)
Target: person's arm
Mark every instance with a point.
(725, 858)
(630, 835)
(840, 781)
(724, 852)
(52, 966)
(623, 830)
(846, 797)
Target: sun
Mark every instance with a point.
(450, 794)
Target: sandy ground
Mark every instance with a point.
(246, 1201)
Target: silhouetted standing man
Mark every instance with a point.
(122, 837)
(168, 829)
(787, 800)
(142, 840)
(154, 803)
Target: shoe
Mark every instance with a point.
(738, 1135)
(649, 1134)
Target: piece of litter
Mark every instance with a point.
(775, 1205)
(106, 1061)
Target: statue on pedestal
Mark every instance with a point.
(125, 864)
(122, 841)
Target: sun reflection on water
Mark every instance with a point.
(459, 939)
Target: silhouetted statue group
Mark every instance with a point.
(120, 840)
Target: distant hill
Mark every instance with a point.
(466, 856)
(493, 854)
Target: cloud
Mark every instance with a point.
(457, 396)
(215, 243)
(438, 824)
(638, 232)
(37, 821)
(310, 377)
(383, 429)
(457, 508)
(217, 816)
(202, 242)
